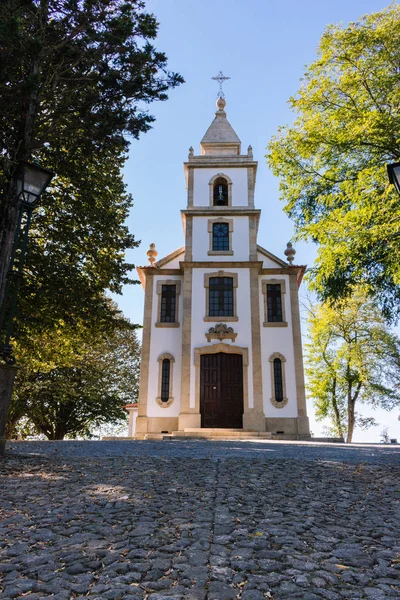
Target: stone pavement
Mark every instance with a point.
(199, 521)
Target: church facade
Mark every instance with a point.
(221, 340)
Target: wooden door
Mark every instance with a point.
(221, 390)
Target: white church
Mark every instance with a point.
(221, 340)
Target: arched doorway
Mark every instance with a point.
(221, 390)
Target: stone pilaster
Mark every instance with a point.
(303, 425)
(188, 237)
(190, 186)
(253, 223)
(141, 421)
(254, 418)
(251, 182)
(188, 416)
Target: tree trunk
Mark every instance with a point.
(60, 430)
(8, 223)
(7, 376)
(350, 421)
(351, 412)
(350, 406)
(10, 427)
(336, 410)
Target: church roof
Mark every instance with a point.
(220, 137)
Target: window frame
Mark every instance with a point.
(220, 239)
(177, 284)
(220, 274)
(211, 193)
(160, 360)
(211, 223)
(221, 182)
(273, 400)
(282, 283)
(166, 378)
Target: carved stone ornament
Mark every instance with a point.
(289, 253)
(152, 254)
(220, 332)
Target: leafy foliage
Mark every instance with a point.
(351, 357)
(75, 78)
(332, 161)
(71, 380)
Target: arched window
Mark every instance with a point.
(278, 384)
(278, 380)
(165, 379)
(220, 192)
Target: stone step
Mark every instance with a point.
(215, 429)
(219, 434)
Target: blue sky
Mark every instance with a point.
(263, 45)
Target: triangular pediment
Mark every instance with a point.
(163, 262)
(274, 259)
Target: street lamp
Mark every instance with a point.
(30, 180)
(394, 175)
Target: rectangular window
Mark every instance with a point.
(274, 303)
(168, 304)
(220, 237)
(221, 297)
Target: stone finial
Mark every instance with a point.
(152, 253)
(221, 103)
(191, 151)
(290, 252)
(250, 151)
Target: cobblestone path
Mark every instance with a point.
(206, 529)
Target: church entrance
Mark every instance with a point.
(221, 390)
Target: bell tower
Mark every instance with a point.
(220, 219)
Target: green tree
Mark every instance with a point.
(332, 160)
(351, 358)
(72, 379)
(75, 79)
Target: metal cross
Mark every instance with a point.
(220, 78)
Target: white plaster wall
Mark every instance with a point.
(174, 263)
(201, 190)
(133, 413)
(164, 339)
(267, 262)
(278, 339)
(200, 327)
(240, 240)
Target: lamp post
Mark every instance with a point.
(394, 175)
(31, 180)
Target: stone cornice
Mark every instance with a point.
(204, 264)
(283, 270)
(208, 161)
(297, 270)
(206, 211)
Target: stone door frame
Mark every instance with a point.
(226, 349)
